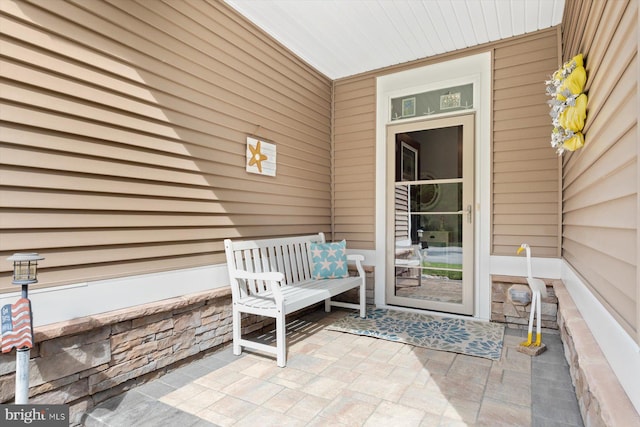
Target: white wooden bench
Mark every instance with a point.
(273, 277)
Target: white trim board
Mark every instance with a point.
(62, 303)
(544, 268)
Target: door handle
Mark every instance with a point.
(469, 214)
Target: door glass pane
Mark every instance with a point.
(429, 215)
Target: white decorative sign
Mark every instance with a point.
(261, 157)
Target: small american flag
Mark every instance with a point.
(16, 325)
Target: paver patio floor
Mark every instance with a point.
(338, 379)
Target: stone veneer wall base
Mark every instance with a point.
(602, 400)
(85, 361)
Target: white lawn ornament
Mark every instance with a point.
(538, 288)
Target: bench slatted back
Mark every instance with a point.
(288, 255)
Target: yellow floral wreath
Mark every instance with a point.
(568, 105)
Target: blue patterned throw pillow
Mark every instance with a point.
(329, 260)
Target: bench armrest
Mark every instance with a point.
(272, 278)
(358, 259)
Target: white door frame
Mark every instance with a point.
(474, 69)
(466, 122)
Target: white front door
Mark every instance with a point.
(430, 182)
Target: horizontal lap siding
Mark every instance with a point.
(525, 174)
(355, 162)
(600, 181)
(124, 126)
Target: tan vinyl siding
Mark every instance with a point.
(525, 205)
(525, 189)
(600, 181)
(355, 163)
(124, 126)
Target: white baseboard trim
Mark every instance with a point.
(62, 303)
(545, 268)
(620, 350)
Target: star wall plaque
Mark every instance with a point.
(261, 157)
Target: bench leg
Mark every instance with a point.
(363, 298)
(281, 342)
(237, 331)
(327, 305)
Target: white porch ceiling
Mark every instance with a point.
(341, 38)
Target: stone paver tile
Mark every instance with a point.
(361, 352)
(200, 401)
(552, 374)
(219, 379)
(464, 411)
(175, 379)
(348, 410)
(515, 361)
(353, 394)
(517, 377)
(385, 344)
(450, 422)
(262, 369)
(216, 418)
(557, 408)
(308, 363)
(431, 420)
(241, 362)
(407, 360)
(340, 373)
(308, 407)
(374, 368)
(304, 347)
(429, 354)
(265, 417)
(404, 375)
(438, 367)
(228, 408)
(350, 361)
(543, 391)
(513, 354)
(509, 392)
(194, 370)
(423, 376)
(284, 400)
(327, 388)
(456, 387)
(292, 378)
(467, 370)
(481, 361)
(384, 388)
(322, 422)
(140, 413)
(393, 414)
(332, 351)
(495, 413)
(183, 393)
(155, 389)
(253, 390)
(156, 416)
(430, 400)
(383, 355)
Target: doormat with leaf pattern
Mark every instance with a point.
(464, 336)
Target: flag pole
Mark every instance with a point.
(17, 321)
(23, 354)
(22, 375)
